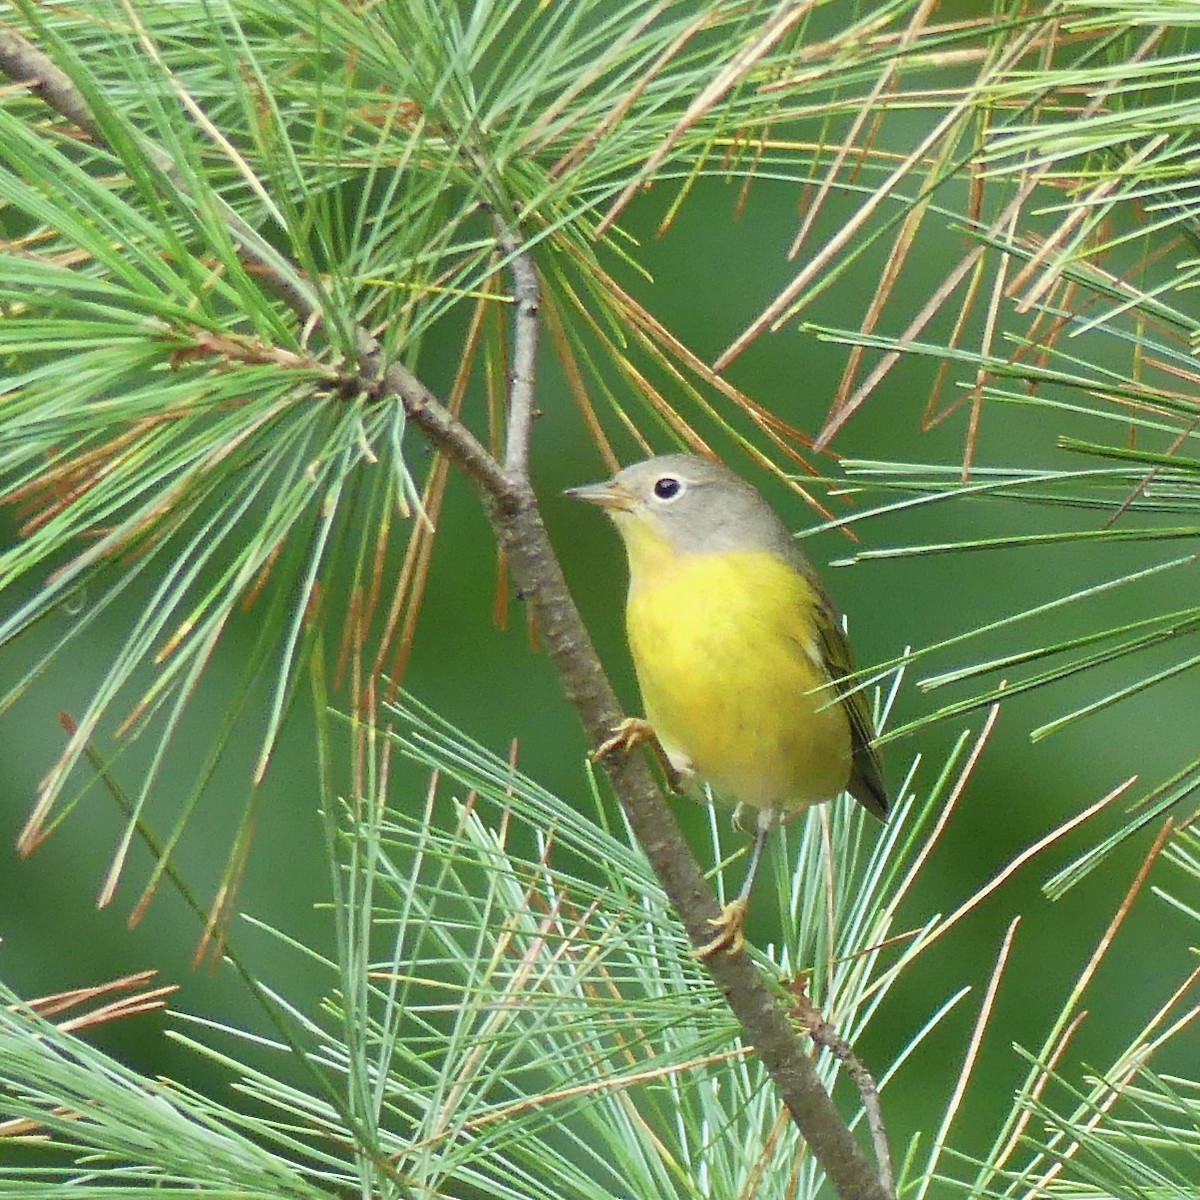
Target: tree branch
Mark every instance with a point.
(513, 511)
(824, 1033)
(527, 297)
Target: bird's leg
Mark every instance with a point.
(631, 733)
(729, 923)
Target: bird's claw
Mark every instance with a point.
(633, 732)
(729, 926)
(627, 736)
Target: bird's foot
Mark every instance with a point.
(627, 736)
(729, 930)
(636, 731)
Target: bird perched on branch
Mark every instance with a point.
(740, 654)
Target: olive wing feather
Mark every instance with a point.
(866, 772)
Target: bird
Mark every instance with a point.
(740, 655)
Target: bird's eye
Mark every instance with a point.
(667, 487)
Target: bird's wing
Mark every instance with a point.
(866, 774)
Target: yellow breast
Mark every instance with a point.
(727, 657)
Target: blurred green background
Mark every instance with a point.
(710, 273)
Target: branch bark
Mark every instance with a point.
(512, 508)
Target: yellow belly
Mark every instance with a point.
(725, 648)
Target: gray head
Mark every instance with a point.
(695, 505)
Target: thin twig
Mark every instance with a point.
(824, 1033)
(527, 296)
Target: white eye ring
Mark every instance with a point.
(667, 488)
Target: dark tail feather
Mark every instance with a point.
(866, 782)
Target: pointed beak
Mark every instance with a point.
(608, 494)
